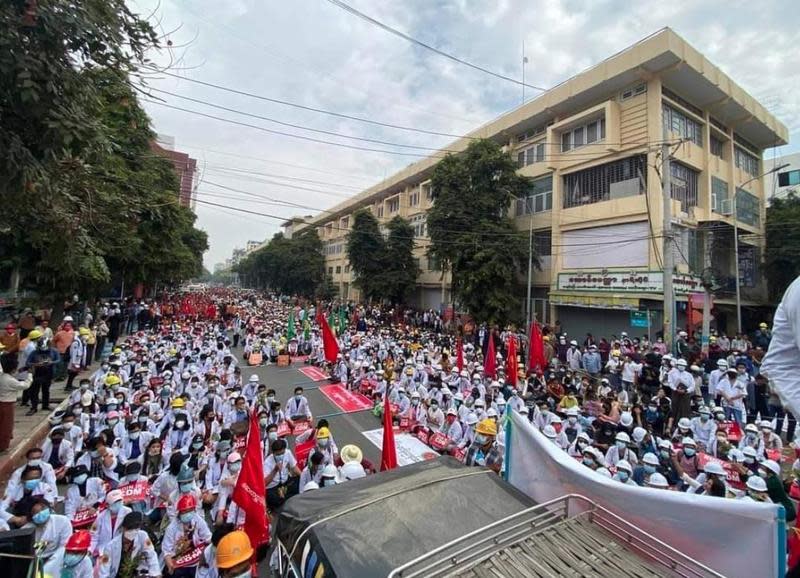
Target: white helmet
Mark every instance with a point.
(352, 471)
(549, 432)
(603, 472)
(472, 419)
(688, 442)
(722, 363)
(312, 485)
(623, 437)
(254, 378)
(656, 480)
(650, 459)
(638, 434)
(715, 468)
(572, 412)
(624, 465)
(757, 484)
(330, 471)
(491, 412)
(684, 423)
(626, 419)
(681, 363)
(772, 466)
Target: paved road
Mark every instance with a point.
(346, 428)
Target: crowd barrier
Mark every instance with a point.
(737, 538)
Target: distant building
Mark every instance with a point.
(779, 185)
(185, 167)
(295, 224)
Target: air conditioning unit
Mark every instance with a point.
(726, 207)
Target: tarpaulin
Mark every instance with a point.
(734, 537)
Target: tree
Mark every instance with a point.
(366, 252)
(782, 257)
(401, 270)
(471, 233)
(48, 130)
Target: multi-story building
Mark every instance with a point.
(779, 184)
(592, 146)
(185, 168)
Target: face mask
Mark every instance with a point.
(763, 474)
(703, 418)
(481, 439)
(273, 435)
(134, 435)
(115, 507)
(71, 559)
(297, 397)
(688, 452)
(649, 469)
(279, 457)
(621, 445)
(180, 423)
(233, 468)
(35, 462)
(81, 479)
(323, 443)
(77, 412)
(622, 476)
(40, 518)
(31, 485)
(186, 488)
(588, 462)
(186, 517)
(113, 422)
(130, 534)
(270, 398)
(104, 367)
(197, 445)
(580, 445)
(263, 421)
(572, 420)
(414, 402)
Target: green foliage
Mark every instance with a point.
(366, 252)
(384, 269)
(782, 257)
(400, 276)
(471, 233)
(85, 201)
(293, 266)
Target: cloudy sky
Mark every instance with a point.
(313, 53)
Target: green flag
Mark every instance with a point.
(290, 330)
(342, 320)
(306, 324)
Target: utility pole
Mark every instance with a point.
(524, 62)
(736, 266)
(669, 257)
(528, 308)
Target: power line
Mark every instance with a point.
(314, 109)
(404, 36)
(300, 126)
(280, 133)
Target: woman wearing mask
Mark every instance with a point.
(51, 529)
(83, 492)
(179, 436)
(313, 470)
(30, 487)
(154, 460)
(208, 428)
(224, 510)
(186, 531)
(109, 522)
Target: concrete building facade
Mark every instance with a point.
(592, 146)
(786, 180)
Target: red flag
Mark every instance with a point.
(511, 361)
(249, 493)
(490, 363)
(536, 361)
(459, 354)
(388, 449)
(329, 344)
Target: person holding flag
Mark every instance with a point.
(248, 495)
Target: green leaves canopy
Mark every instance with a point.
(471, 233)
(782, 255)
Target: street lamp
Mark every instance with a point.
(736, 242)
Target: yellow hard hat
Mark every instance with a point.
(83, 331)
(178, 403)
(113, 379)
(233, 549)
(763, 325)
(35, 334)
(323, 433)
(117, 350)
(487, 427)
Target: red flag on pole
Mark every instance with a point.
(459, 354)
(329, 344)
(536, 361)
(388, 449)
(490, 363)
(249, 493)
(511, 361)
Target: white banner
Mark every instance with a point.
(409, 449)
(734, 537)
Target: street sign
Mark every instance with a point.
(639, 319)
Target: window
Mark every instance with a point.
(338, 269)
(534, 154)
(345, 222)
(676, 122)
(330, 270)
(681, 101)
(532, 133)
(719, 194)
(539, 198)
(789, 178)
(394, 204)
(633, 91)
(347, 268)
(683, 185)
(434, 264)
(420, 225)
(543, 243)
(379, 211)
(745, 161)
(413, 198)
(583, 135)
(717, 147)
(427, 190)
(623, 178)
(694, 256)
(748, 209)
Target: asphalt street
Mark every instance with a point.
(346, 428)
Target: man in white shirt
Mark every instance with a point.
(282, 474)
(782, 362)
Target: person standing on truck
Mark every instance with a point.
(484, 451)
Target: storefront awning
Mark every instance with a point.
(567, 299)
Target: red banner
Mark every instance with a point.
(156, 381)
(191, 558)
(422, 435)
(300, 427)
(346, 400)
(732, 476)
(314, 373)
(438, 441)
(283, 429)
(731, 429)
(135, 492)
(84, 518)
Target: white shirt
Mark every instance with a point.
(782, 362)
(282, 475)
